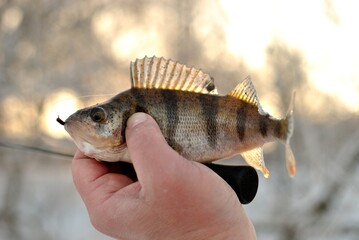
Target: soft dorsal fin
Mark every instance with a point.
(160, 73)
(245, 91)
(254, 158)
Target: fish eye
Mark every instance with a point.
(98, 114)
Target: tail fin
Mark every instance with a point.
(289, 122)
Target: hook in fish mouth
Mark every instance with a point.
(59, 120)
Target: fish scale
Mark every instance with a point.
(195, 121)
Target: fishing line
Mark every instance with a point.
(34, 149)
(98, 95)
(84, 97)
(72, 98)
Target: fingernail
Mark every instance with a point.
(136, 119)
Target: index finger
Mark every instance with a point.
(94, 181)
(86, 170)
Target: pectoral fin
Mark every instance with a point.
(254, 158)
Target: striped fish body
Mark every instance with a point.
(202, 127)
(196, 122)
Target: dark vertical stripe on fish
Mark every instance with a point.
(170, 101)
(241, 119)
(209, 105)
(263, 125)
(140, 103)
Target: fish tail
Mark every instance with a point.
(288, 123)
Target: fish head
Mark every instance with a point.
(99, 132)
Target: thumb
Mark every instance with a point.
(155, 162)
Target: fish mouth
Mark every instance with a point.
(73, 126)
(79, 131)
(92, 145)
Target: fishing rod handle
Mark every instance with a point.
(242, 179)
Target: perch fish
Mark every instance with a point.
(196, 122)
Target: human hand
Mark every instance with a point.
(173, 198)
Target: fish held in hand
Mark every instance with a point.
(196, 122)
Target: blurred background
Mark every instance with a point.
(58, 56)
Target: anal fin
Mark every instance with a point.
(254, 158)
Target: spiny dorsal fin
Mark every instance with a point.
(160, 73)
(254, 158)
(245, 91)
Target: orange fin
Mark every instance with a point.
(160, 73)
(245, 91)
(254, 158)
(289, 156)
(290, 160)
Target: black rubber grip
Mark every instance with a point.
(242, 179)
